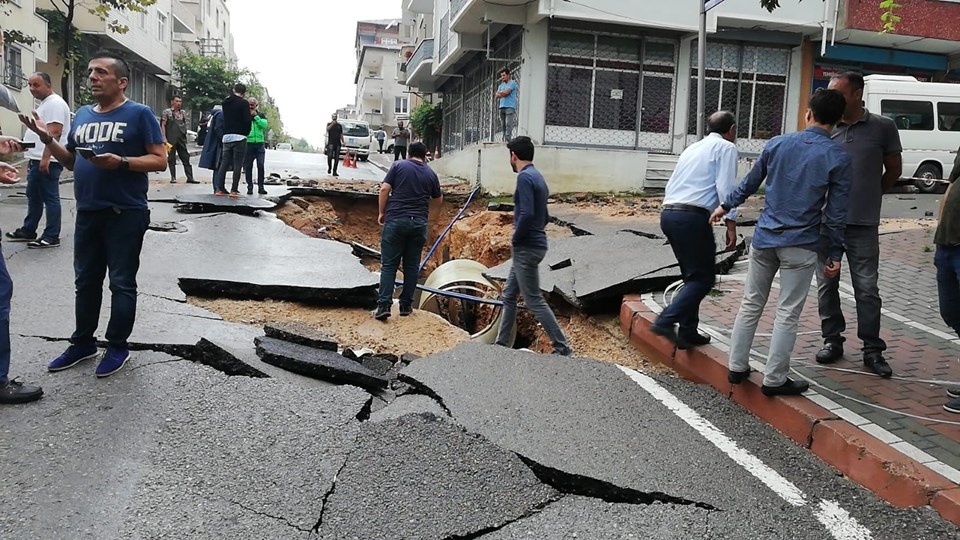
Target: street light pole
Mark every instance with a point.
(701, 68)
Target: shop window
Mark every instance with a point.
(909, 115)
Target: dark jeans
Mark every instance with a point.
(43, 192)
(380, 141)
(947, 260)
(399, 152)
(255, 152)
(863, 261)
(107, 240)
(6, 293)
(695, 247)
(180, 150)
(231, 156)
(333, 157)
(524, 279)
(402, 238)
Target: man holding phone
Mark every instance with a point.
(43, 170)
(110, 187)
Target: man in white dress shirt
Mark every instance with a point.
(705, 174)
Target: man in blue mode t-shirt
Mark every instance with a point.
(111, 148)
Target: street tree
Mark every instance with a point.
(268, 107)
(888, 12)
(204, 80)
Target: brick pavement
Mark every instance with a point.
(908, 289)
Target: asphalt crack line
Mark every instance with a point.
(315, 531)
(487, 530)
(281, 519)
(424, 390)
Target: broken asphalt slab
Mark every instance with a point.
(209, 203)
(317, 363)
(168, 193)
(419, 476)
(300, 334)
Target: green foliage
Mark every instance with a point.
(267, 106)
(204, 80)
(427, 122)
(301, 145)
(888, 17)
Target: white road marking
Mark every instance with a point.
(835, 519)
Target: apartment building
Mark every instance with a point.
(20, 60)
(206, 28)
(382, 98)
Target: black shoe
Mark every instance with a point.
(174, 181)
(335, 175)
(953, 392)
(670, 335)
(249, 192)
(952, 406)
(695, 339)
(405, 309)
(15, 392)
(19, 236)
(192, 182)
(737, 377)
(262, 192)
(789, 388)
(329, 171)
(876, 363)
(43, 243)
(383, 312)
(831, 352)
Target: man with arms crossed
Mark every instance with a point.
(401, 138)
(529, 243)
(874, 144)
(808, 179)
(112, 147)
(507, 102)
(43, 173)
(706, 173)
(408, 195)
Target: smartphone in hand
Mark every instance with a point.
(26, 145)
(87, 153)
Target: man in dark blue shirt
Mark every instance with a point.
(808, 179)
(407, 194)
(111, 148)
(529, 248)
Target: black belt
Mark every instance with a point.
(686, 208)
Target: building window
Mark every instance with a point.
(401, 105)
(143, 18)
(162, 27)
(13, 67)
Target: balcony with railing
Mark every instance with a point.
(418, 6)
(420, 64)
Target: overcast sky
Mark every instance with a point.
(303, 51)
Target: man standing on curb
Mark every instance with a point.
(808, 179)
(43, 173)
(507, 102)
(236, 127)
(874, 144)
(255, 149)
(706, 174)
(529, 247)
(173, 125)
(408, 195)
(12, 391)
(947, 261)
(112, 147)
(401, 138)
(334, 144)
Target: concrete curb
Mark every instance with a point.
(892, 475)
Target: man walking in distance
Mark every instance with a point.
(12, 391)
(112, 147)
(173, 124)
(381, 136)
(334, 144)
(43, 172)
(401, 138)
(529, 243)
(874, 144)
(947, 261)
(255, 148)
(408, 195)
(236, 127)
(808, 179)
(507, 101)
(705, 175)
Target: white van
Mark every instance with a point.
(928, 117)
(357, 138)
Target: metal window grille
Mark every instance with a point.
(750, 82)
(13, 75)
(610, 90)
(444, 37)
(456, 6)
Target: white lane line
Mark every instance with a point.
(835, 519)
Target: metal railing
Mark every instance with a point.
(424, 52)
(444, 37)
(14, 78)
(456, 6)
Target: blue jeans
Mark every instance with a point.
(402, 238)
(947, 260)
(6, 293)
(107, 240)
(695, 247)
(255, 152)
(43, 192)
(524, 279)
(231, 156)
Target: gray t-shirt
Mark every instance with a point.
(868, 141)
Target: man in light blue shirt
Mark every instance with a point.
(705, 174)
(507, 100)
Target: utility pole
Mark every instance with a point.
(701, 68)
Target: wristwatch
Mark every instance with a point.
(48, 140)
(124, 164)
(726, 207)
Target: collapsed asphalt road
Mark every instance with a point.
(477, 442)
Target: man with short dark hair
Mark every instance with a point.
(408, 195)
(401, 138)
(236, 128)
(529, 247)
(808, 178)
(43, 170)
(706, 174)
(507, 101)
(873, 142)
(173, 125)
(334, 144)
(112, 146)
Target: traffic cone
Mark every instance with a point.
(349, 161)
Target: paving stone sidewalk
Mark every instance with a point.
(920, 348)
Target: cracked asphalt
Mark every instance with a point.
(486, 443)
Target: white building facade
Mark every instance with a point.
(382, 98)
(20, 60)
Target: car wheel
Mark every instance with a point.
(390, 149)
(926, 175)
(362, 158)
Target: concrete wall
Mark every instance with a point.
(461, 164)
(533, 82)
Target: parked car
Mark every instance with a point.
(285, 147)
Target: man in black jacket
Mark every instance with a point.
(236, 127)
